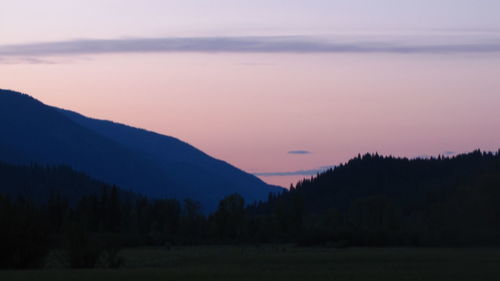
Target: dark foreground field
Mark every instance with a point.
(286, 263)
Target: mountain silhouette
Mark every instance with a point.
(141, 161)
(375, 200)
(40, 184)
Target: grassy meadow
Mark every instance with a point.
(284, 263)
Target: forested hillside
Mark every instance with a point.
(377, 200)
(145, 162)
(39, 183)
(371, 200)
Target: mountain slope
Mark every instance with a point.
(386, 201)
(412, 183)
(135, 159)
(42, 183)
(177, 158)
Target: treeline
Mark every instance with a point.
(386, 201)
(38, 183)
(369, 201)
(91, 232)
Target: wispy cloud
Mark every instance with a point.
(294, 173)
(423, 156)
(251, 44)
(26, 60)
(447, 153)
(300, 152)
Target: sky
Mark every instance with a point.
(281, 89)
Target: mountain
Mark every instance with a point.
(411, 183)
(43, 183)
(375, 200)
(151, 164)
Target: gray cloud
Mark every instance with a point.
(301, 152)
(294, 173)
(444, 153)
(252, 44)
(423, 156)
(447, 153)
(26, 60)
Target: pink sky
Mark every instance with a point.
(251, 109)
(416, 78)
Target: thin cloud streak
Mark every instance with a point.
(255, 44)
(294, 173)
(299, 152)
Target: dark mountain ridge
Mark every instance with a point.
(138, 160)
(178, 157)
(408, 181)
(375, 200)
(40, 184)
